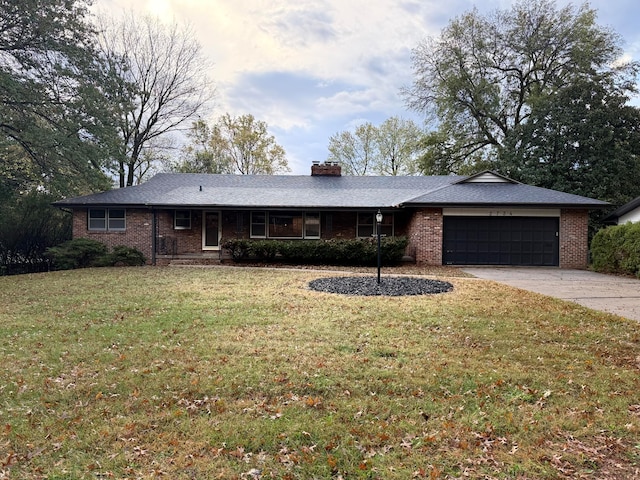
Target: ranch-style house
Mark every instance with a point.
(483, 219)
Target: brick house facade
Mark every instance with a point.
(482, 219)
(138, 233)
(574, 241)
(423, 228)
(425, 236)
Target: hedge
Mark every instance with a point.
(318, 252)
(84, 252)
(616, 249)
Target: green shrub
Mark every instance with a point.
(616, 249)
(76, 253)
(238, 248)
(264, 250)
(319, 252)
(392, 250)
(129, 256)
(84, 252)
(28, 226)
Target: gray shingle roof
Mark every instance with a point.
(290, 191)
(479, 194)
(623, 210)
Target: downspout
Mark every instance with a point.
(154, 236)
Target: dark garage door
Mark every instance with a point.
(500, 241)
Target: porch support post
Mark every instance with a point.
(154, 236)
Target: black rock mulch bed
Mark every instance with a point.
(390, 286)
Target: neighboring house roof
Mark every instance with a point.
(623, 210)
(292, 191)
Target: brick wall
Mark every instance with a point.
(186, 241)
(138, 233)
(424, 230)
(574, 238)
(425, 236)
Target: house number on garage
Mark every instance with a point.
(501, 213)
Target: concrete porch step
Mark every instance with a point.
(192, 260)
(202, 261)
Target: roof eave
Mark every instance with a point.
(624, 209)
(594, 206)
(220, 207)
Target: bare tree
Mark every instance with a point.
(160, 84)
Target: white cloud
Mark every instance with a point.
(313, 67)
(350, 102)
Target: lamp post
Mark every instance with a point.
(378, 222)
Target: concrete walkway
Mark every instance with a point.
(607, 293)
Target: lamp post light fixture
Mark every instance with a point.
(378, 223)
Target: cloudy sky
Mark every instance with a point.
(312, 68)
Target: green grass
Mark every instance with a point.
(245, 373)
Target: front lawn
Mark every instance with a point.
(246, 373)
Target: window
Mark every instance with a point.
(386, 226)
(97, 219)
(107, 219)
(116, 219)
(367, 225)
(258, 224)
(312, 225)
(285, 224)
(182, 220)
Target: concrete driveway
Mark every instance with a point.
(607, 293)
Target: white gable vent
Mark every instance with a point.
(487, 177)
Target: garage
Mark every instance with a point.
(500, 240)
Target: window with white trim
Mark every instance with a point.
(182, 220)
(107, 219)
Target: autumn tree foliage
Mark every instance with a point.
(234, 145)
(388, 149)
(354, 150)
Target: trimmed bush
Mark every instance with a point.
(126, 256)
(265, 250)
(238, 248)
(318, 252)
(84, 252)
(76, 253)
(616, 249)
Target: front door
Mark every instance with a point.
(211, 231)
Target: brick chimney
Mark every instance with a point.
(327, 169)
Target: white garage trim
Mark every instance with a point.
(633, 216)
(501, 212)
